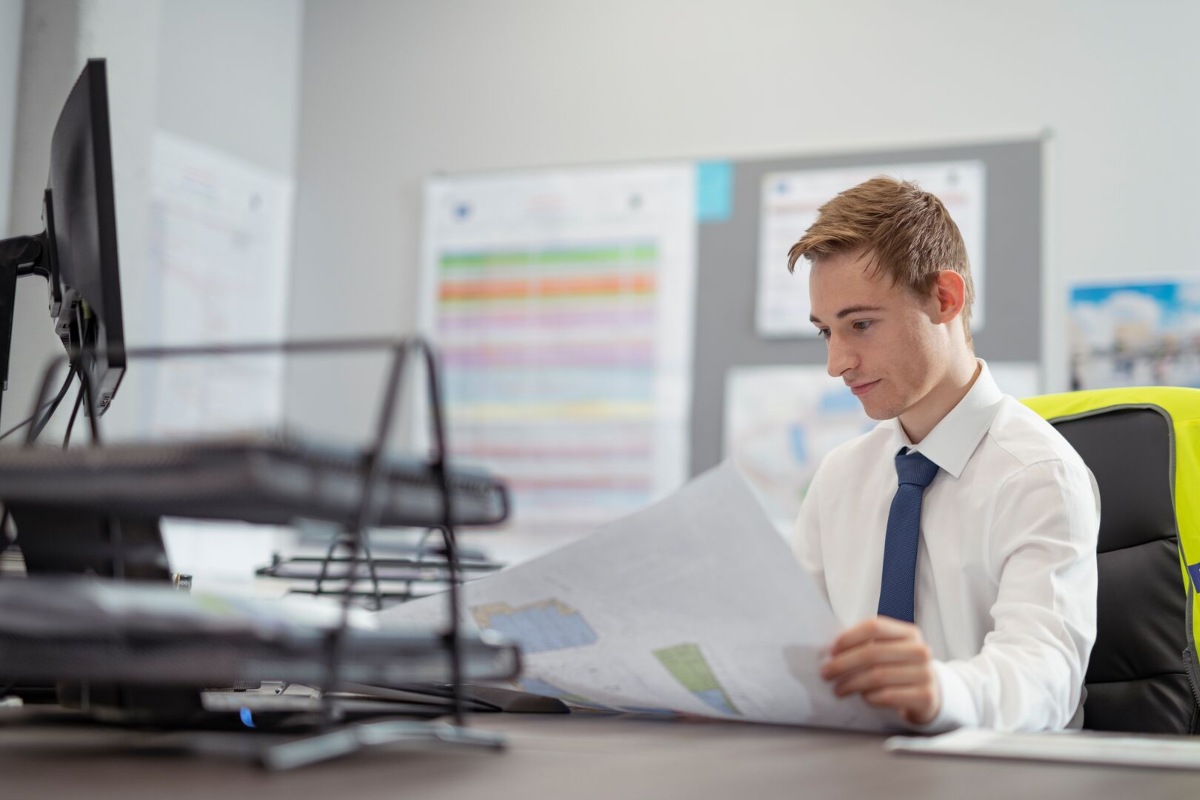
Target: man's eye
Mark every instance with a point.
(862, 324)
(823, 333)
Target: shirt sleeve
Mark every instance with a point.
(806, 535)
(1042, 547)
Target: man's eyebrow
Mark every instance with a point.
(845, 312)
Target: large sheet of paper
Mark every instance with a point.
(1135, 332)
(219, 254)
(781, 421)
(694, 605)
(789, 206)
(561, 301)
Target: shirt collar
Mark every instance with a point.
(953, 440)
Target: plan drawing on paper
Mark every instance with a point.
(539, 627)
(547, 689)
(641, 634)
(688, 665)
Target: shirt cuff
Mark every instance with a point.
(958, 706)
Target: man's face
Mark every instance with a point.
(881, 339)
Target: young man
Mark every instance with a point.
(971, 601)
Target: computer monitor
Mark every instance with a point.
(77, 254)
(77, 251)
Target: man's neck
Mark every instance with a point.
(924, 416)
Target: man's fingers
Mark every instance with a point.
(887, 662)
(880, 677)
(875, 653)
(874, 629)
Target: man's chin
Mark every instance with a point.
(880, 414)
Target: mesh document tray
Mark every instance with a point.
(90, 629)
(263, 480)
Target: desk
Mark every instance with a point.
(558, 757)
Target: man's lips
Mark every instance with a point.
(860, 389)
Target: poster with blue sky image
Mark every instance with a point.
(1137, 332)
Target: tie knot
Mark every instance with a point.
(915, 469)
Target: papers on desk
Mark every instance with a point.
(693, 605)
(1084, 747)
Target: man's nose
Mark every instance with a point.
(839, 357)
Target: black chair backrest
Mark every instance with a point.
(1139, 676)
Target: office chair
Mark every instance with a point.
(1143, 446)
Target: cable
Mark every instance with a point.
(52, 403)
(21, 424)
(37, 429)
(74, 412)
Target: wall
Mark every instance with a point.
(229, 76)
(393, 92)
(11, 12)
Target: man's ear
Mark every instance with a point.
(950, 292)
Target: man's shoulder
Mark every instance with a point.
(1025, 437)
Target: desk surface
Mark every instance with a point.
(557, 757)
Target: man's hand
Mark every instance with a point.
(889, 664)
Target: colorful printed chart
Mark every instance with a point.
(560, 303)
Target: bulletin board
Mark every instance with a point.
(589, 317)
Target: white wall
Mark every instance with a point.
(11, 12)
(393, 92)
(229, 76)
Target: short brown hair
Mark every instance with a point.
(908, 232)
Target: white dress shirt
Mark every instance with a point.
(1006, 565)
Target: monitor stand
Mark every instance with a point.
(85, 542)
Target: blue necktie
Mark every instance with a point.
(898, 587)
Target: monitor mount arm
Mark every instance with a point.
(19, 256)
(25, 255)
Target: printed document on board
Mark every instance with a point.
(693, 605)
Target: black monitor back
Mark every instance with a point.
(81, 228)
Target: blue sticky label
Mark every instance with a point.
(714, 191)
(1194, 571)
